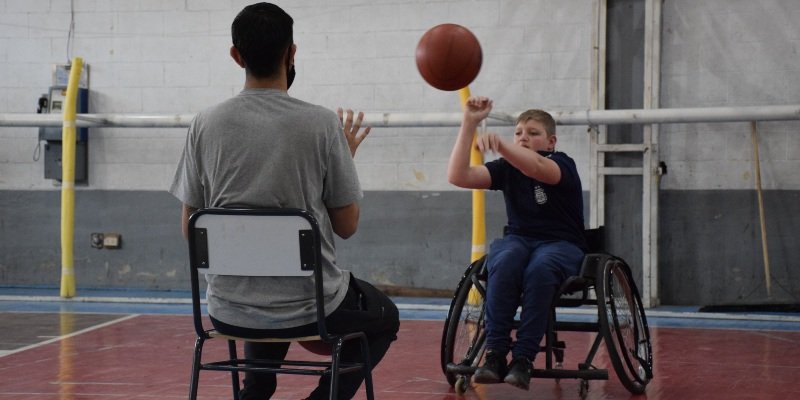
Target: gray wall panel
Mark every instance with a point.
(711, 247)
(152, 255)
(710, 242)
(417, 239)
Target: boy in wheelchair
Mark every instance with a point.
(543, 241)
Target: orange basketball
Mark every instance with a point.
(449, 57)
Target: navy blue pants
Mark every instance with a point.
(364, 309)
(524, 272)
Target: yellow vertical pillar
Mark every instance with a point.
(68, 180)
(478, 197)
(478, 210)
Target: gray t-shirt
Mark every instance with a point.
(259, 149)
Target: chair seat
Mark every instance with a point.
(213, 333)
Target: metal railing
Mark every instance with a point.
(403, 120)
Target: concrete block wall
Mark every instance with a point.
(171, 57)
(730, 53)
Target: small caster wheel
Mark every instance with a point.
(559, 365)
(584, 388)
(461, 385)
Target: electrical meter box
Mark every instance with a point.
(52, 135)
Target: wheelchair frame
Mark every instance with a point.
(621, 323)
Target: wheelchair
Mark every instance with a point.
(604, 282)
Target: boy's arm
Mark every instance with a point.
(459, 172)
(530, 163)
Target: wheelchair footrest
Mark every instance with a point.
(460, 369)
(588, 374)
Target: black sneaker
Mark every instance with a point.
(493, 370)
(519, 373)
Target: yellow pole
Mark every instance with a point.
(68, 180)
(478, 198)
(478, 210)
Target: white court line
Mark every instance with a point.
(76, 333)
(57, 394)
(87, 299)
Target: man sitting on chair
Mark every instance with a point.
(262, 149)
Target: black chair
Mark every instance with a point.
(266, 242)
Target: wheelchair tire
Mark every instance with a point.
(623, 325)
(463, 334)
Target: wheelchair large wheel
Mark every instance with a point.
(463, 335)
(624, 326)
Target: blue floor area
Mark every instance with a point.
(177, 302)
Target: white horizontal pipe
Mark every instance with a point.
(98, 120)
(386, 120)
(678, 115)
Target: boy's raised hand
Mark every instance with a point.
(477, 108)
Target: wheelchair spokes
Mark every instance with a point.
(469, 333)
(627, 336)
(464, 335)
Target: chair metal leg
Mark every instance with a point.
(234, 374)
(334, 389)
(193, 382)
(367, 368)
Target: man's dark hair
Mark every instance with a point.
(262, 33)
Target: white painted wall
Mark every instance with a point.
(730, 53)
(171, 56)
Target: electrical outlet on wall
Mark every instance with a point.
(112, 240)
(106, 240)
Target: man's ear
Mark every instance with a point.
(292, 52)
(552, 139)
(236, 56)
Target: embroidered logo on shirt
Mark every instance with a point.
(540, 195)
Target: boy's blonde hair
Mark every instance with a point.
(540, 116)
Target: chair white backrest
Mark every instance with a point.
(251, 244)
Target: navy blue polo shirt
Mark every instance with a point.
(538, 210)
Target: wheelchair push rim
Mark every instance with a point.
(624, 326)
(463, 335)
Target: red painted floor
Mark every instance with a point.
(149, 356)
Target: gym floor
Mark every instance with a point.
(138, 345)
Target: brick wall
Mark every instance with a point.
(171, 57)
